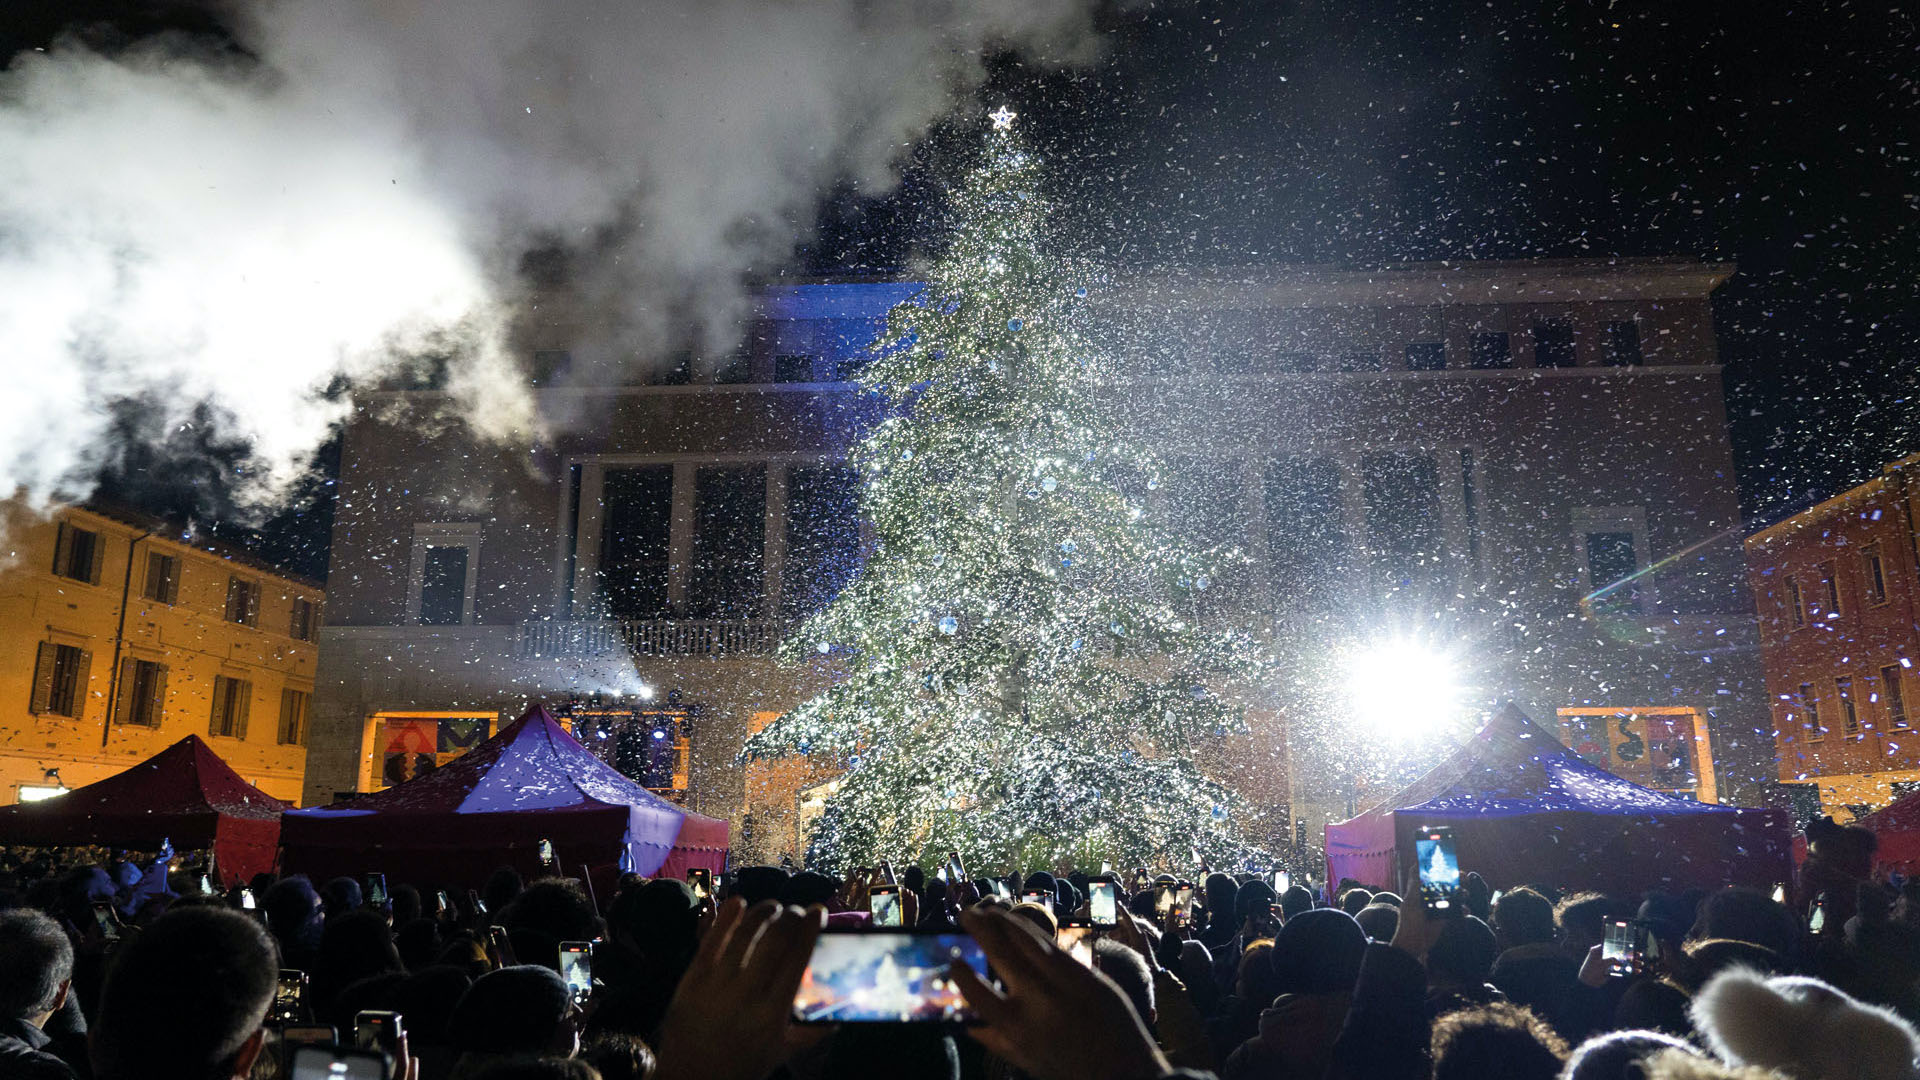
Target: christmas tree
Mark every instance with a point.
(1026, 681)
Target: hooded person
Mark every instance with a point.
(1803, 1029)
(1316, 962)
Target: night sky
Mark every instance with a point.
(1777, 137)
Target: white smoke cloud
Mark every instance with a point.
(180, 228)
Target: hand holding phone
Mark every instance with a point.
(312, 1062)
(546, 854)
(576, 967)
(883, 901)
(700, 880)
(1103, 901)
(289, 997)
(886, 976)
(1439, 866)
(384, 1033)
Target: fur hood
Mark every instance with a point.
(1803, 1028)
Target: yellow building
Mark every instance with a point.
(118, 638)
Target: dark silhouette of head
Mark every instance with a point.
(1496, 1042)
(185, 999)
(1523, 917)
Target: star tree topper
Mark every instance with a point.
(1002, 118)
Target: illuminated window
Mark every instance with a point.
(38, 793)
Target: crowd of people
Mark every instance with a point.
(121, 967)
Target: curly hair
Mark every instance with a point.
(1496, 1042)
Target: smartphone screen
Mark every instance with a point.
(1000, 890)
(289, 996)
(1780, 893)
(374, 892)
(1282, 881)
(576, 966)
(377, 1030)
(700, 880)
(1817, 918)
(337, 1063)
(103, 918)
(501, 948)
(1076, 940)
(301, 1034)
(1617, 948)
(473, 899)
(956, 870)
(546, 854)
(206, 885)
(885, 977)
(1163, 898)
(1036, 896)
(446, 905)
(1183, 903)
(1103, 901)
(246, 899)
(884, 902)
(1439, 867)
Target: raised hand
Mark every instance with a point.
(1053, 1017)
(732, 1016)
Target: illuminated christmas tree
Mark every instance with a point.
(1026, 679)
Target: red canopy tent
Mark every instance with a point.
(1897, 826)
(184, 793)
(1525, 808)
(492, 806)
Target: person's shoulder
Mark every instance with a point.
(19, 1060)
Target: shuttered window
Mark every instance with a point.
(293, 717)
(243, 601)
(300, 621)
(77, 554)
(143, 692)
(162, 583)
(231, 700)
(60, 679)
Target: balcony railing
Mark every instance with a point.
(650, 637)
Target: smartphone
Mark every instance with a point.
(1075, 938)
(884, 902)
(1780, 892)
(377, 1030)
(301, 1034)
(1000, 890)
(1163, 899)
(289, 997)
(246, 899)
(1036, 896)
(1817, 916)
(1183, 903)
(886, 977)
(206, 885)
(1439, 868)
(576, 966)
(1103, 901)
(374, 890)
(956, 870)
(446, 905)
(500, 947)
(338, 1063)
(546, 854)
(700, 880)
(1623, 947)
(106, 920)
(473, 899)
(1282, 881)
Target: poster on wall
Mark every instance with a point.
(411, 747)
(1655, 747)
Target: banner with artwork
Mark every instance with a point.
(1658, 747)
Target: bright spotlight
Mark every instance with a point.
(1402, 689)
(645, 692)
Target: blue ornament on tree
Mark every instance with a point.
(1081, 292)
(949, 626)
(1048, 483)
(1014, 325)
(1068, 547)
(1202, 582)
(1219, 812)
(823, 648)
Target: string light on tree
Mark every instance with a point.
(1048, 707)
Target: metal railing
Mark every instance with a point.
(650, 637)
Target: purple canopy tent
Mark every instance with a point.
(492, 806)
(1525, 808)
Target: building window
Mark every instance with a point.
(300, 621)
(162, 584)
(636, 525)
(1358, 361)
(1622, 347)
(77, 554)
(1893, 695)
(1612, 561)
(1810, 708)
(1426, 356)
(1401, 494)
(444, 568)
(232, 700)
(1553, 344)
(1796, 608)
(727, 579)
(1492, 351)
(792, 368)
(243, 601)
(1849, 715)
(823, 536)
(1829, 591)
(735, 369)
(1208, 506)
(60, 679)
(1874, 574)
(293, 716)
(1307, 548)
(143, 693)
